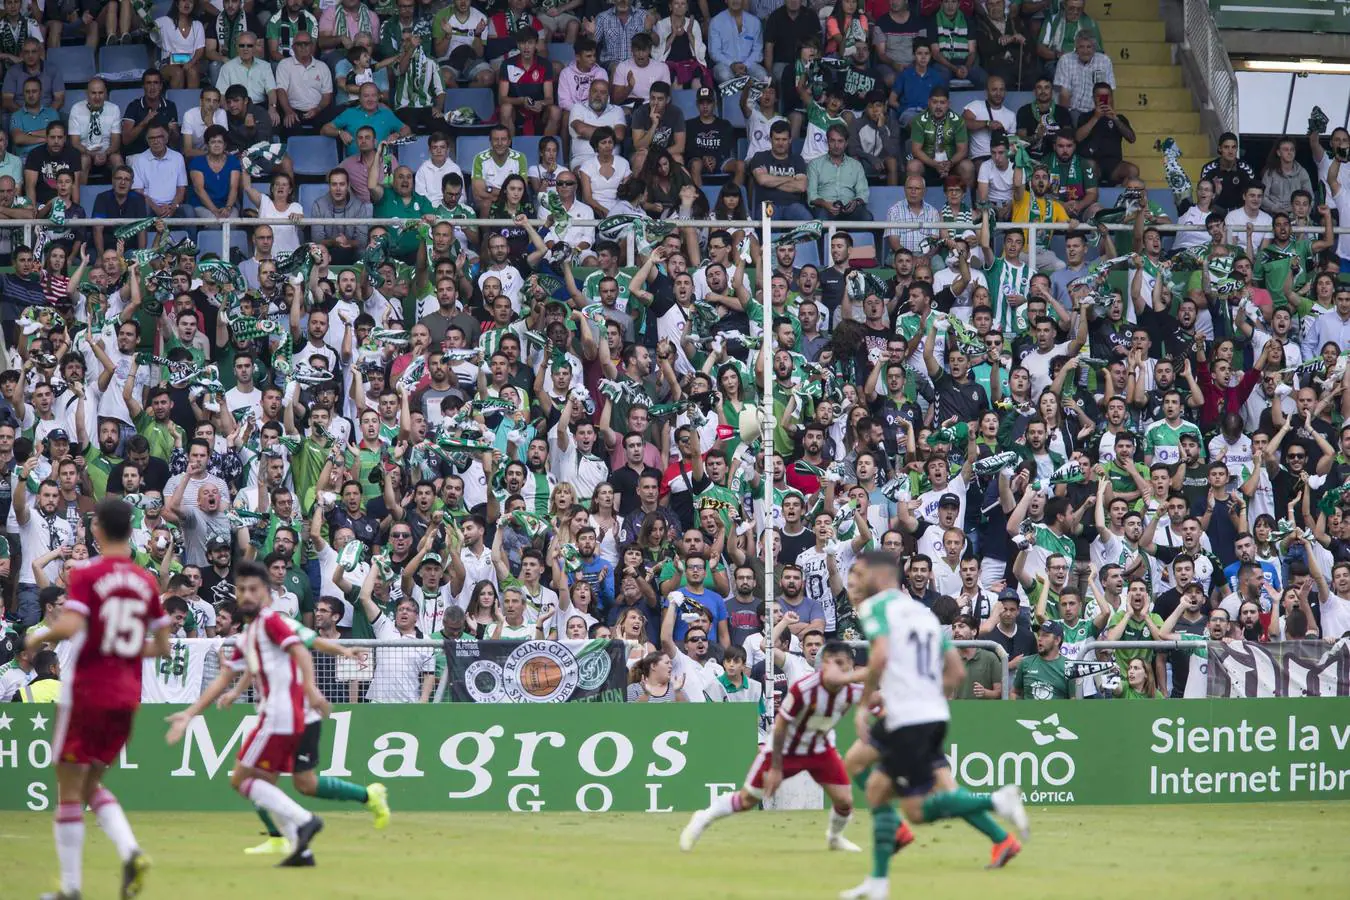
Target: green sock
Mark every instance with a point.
(337, 789)
(884, 822)
(985, 825)
(860, 780)
(955, 803)
(272, 830)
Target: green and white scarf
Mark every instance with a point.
(13, 34)
(363, 21)
(420, 84)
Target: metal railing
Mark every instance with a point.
(1219, 83)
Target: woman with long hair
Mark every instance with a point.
(654, 540)
(1138, 683)
(1282, 176)
(730, 207)
(846, 31)
(481, 616)
(512, 200)
(1196, 214)
(631, 628)
(58, 288)
(606, 521)
(649, 681)
(544, 174)
(182, 43)
(692, 204)
(279, 203)
(664, 178)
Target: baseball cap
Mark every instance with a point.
(433, 558)
(1009, 594)
(1050, 628)
(949, 500)
(58, 434)
(703, 94)
(217, 543)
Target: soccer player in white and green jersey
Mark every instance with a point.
(1162, 440)
(915, 667)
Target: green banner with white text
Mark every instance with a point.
(1283, 15)
(677, 757)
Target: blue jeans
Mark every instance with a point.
(28, 611)
(791, 212)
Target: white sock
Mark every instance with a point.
(69, 831)
(838, 822)
(288, 814)
(724, 806)
(114, 822)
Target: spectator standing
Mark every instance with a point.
(736, 44)
(994, 180)
(1077, 74)
(836, 185)
(1282, 176)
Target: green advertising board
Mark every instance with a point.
(666, 758)
(1283, 15)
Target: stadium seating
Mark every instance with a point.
(185, 99)
(308, 193)
(123, 97)
(413, 154)
(480, 100)
(312, 154)
(121, 58)
(89, 193)
(686, 101)
(880, 198)
(76, 63)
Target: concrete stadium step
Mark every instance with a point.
(1139, 53)
(1130, 76)
(1166, 100)
(1122, 10)
(1122, 31)
(1158, 122)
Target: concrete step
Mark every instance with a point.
(1158, 122)
(1139, 53)
(1120, 31)
(1123, 10)
(1169, 100)
(1195, 148)
(1131, 76)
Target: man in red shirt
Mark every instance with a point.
(525, 90)
(112, 608)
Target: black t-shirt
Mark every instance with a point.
(792, 166)
(891, 415)
(1232, 183)
(1103, 142)
(48, 165)
(965, 401)
(216, 589)
(1057, 120)
(832, 287)
(787, 34)
(154, 475)
(856, 85)
(713, 138)
(794, 545)
(625, 482)
(166, 115)
(1020, 644)
(671, 123)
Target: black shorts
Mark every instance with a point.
(307, 754)
(911, 754)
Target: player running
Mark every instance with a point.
(915, 667)
(305, 777)
(275, 657)
(112, 607)
(803, 741)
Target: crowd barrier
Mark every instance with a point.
(677, 757)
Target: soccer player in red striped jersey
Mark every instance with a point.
(111, 610)
(802, 741)
(283, 671)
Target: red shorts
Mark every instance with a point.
(268, 751)
(92, 735)
(825, 768)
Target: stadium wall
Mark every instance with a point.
(667, 758)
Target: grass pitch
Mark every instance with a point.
(1268, 851)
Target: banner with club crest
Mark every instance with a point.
(535, 671)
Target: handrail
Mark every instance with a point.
(1132, 645)
(1202, 41)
